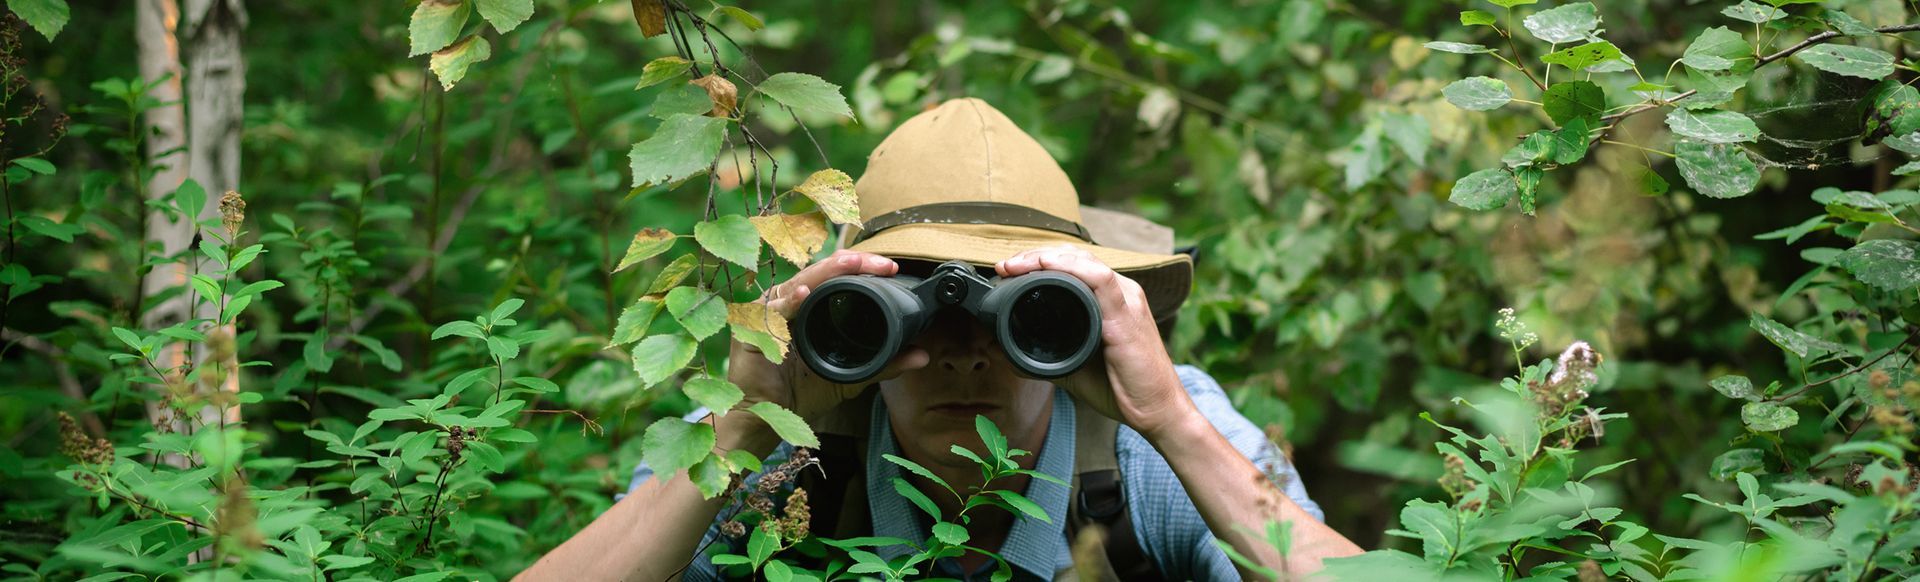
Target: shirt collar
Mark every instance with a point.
(1038, 548)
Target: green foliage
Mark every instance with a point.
(1745, 264)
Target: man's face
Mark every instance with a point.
(967, 374)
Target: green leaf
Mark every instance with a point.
(1478, 93)
(505, 309)
(660, 356)
(1483, 190)
(710, 476)
(731, 237)
(50, 229)
(1748, 11)
(1411, 133)
(1565, 102)
(671, 275)
(683, 146)
(389, 359)
(435, 24)
(1734, 462)
(459, 328)
(806, 94)
(647, 243)
(1792, 340)
(661, 70)
(777, 571)
(681, 100)
(1717, 170)
(1580, 58)
(503, 348)
(919, 499)
(505, 15)
(1718, 49)
(1849, 60)
(1564, 24)
(487, 455)
(760, 545)
(36, 165)
(1888, 264)
(1527, 181)
(1570, 142)
(716, 394)
(47, 17)
(990, 436)
(634, 321)
(950, 534)
(1768, 416)
(672, 444)
(190, 199)
(917, 469)
(786, 424)
(1847, 24)
(1459, 48)
(1713, 126)
(743, 17)
(1477, 18)
(701, 312)
(1024, 505)
(1734, 387)
(450, 64)
(1536, 148)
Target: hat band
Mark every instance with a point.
(972, 213)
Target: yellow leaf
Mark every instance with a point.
(753, 323)
(673, 274)
(651, 15)
(722, 91)
(795, 237)
(833, 191)
(647, 243)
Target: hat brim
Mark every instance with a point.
(1166, 279)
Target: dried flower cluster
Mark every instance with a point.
(234, 519)
(457, 443)
(75, 443)
(233, 210)
(795, 523)
(1454, 481)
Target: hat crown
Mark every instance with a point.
(963, 151)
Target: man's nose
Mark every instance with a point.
(958, 344)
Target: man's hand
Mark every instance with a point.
(790, 383)
(1133, 379)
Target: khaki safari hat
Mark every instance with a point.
(962, 182)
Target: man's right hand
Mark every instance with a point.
(790, 383)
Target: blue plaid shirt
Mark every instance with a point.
(1165, 520)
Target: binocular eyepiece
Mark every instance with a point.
(850, 326)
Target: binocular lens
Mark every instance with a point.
(1048, 323)
(850, 334)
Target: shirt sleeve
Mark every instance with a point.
(701, 569)
(1169, 526)
(1245, 437)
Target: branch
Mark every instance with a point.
(1762, 61)
(62, 372)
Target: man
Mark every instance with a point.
(961, 182)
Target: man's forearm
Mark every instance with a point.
(651, 533)
(1237, 500)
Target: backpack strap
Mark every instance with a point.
(1101, 503)
(837, 491)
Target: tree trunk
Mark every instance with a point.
(196, 135)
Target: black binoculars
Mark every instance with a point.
(851, 326)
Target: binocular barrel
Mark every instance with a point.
(850, 327)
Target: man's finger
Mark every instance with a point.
(843, 262)
(909, 359)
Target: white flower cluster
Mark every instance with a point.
(1513, 330)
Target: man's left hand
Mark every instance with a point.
(1133, 380)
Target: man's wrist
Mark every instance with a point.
(742, 430)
